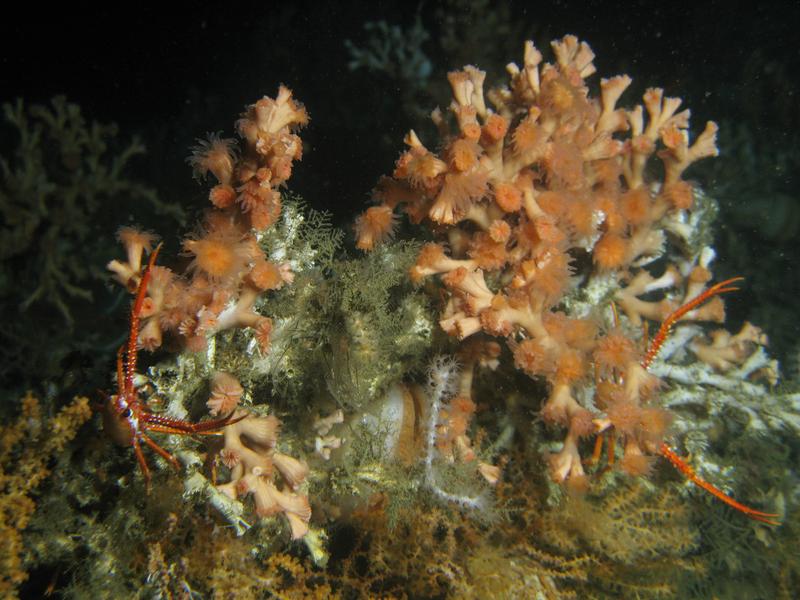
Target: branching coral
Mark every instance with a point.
(26, 448)
(249, 452)
(229, 268)
(546, 210)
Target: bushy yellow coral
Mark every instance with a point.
(26, 447)
(641, 540)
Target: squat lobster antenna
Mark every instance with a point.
(666, 326)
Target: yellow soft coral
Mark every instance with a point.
(26, 447)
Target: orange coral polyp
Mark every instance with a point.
(610, 252)
(430, 255)
(148, 308)
(625, 415)
(558, 96)
(471, 131)
(615, 351)
(375, 226)
(266, 275)
(421, 170)
(263, 333)
(635, 206)
(222, 196)
(607, 171)
(136, 238)
(547, 230)
(495, 128)
(565, 163)
(552, 276)
(533, 358)
(226, 391)
(580, 216)
(606, 393)
(679, 194)
(463, 404)
(281, 170)
(508, 197)
(216, 155)
(463, 154)
(552, 202)
(264, 214)
(487, 253)
(458, 192)
(607, 203)
(527, 136)
(499, 231)
(580, 333)
(217, 257)
(570, 367)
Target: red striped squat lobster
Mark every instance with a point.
(126, 420)
(663, 449)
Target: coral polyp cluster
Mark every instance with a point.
(229, 270)
(547, 214)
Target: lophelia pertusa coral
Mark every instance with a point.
(229, 270)
(249, 453)
(545, 212)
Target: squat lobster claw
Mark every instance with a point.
(691, 475)
(666, 326)
(125, 419)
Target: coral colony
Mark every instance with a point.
(519, 194)
(559, 230)
(228, 273)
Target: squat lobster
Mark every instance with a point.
(125, 419)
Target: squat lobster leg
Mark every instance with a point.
(125, 419)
